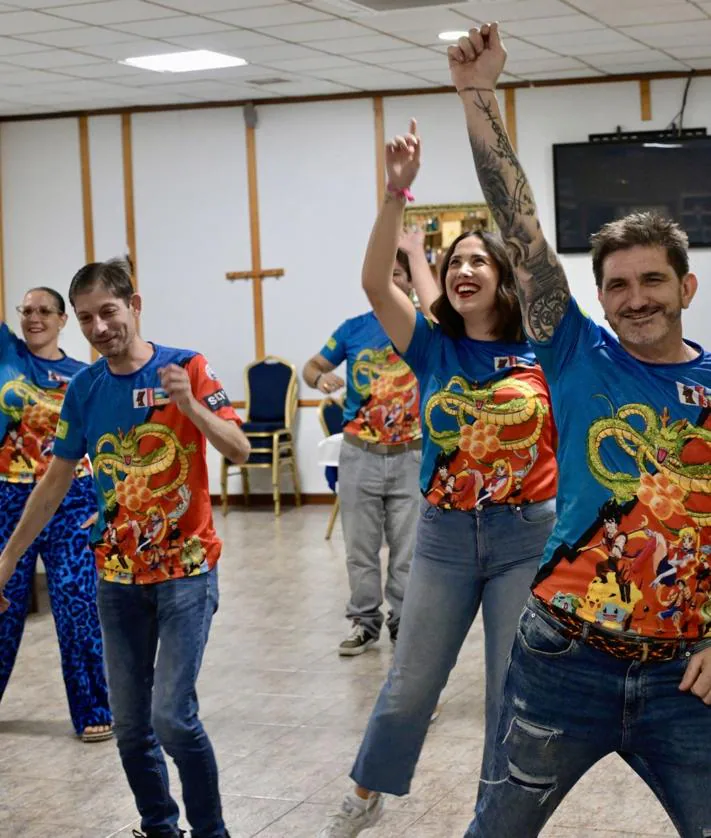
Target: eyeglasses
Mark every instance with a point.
(42, 311)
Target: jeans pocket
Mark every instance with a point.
(428, 511)
(538, 513)
(541, 637)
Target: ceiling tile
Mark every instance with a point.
(51, 58)
(540, 65)
(513, 9)
(429, 64)
(689, 51)
(283, 14)
(435, 20)
(113, 11)
(12, 46)
(322, 61)
(129, 49)
(232, 40)
(598, 7)
(302, 33)
(19, 23)
(619, 15)
(666, 35)
(206, 7)
(579, 43)
(657, 65)
(279, 50)
(352, 46)
(171, 27)
(561, 74)
(699, 63)
(406, 54)
(104, 70)
(82, 36)
(48, 4)
(551, 25)
(641, 55)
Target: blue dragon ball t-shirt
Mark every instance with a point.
(631, 550)
(488, 433)
(382, 398)
(150, 469)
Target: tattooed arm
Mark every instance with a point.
(475, 65)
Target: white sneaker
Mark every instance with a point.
(354, 816)
(357, 642)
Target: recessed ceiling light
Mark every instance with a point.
(452, 36)
(184, 62)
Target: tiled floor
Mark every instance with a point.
(285, 714)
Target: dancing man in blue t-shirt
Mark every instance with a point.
(613, 652)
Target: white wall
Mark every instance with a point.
(317, 192)
(42, 215)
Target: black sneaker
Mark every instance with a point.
(357, 642)
(137, 834)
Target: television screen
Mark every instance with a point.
(599, 182)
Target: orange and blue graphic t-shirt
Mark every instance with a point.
(31, 394)
(382, 400)
(631, 550)
(150, 469)
(488, 434)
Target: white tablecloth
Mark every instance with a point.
(329, 450)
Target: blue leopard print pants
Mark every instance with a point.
(71, 582)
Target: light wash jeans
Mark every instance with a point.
(566, 706)
(463, 560)
(378, 492)
(154, 639)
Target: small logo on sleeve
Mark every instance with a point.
(331, 343)
(693, 394)
(217, 400)
(62, 429)
(150, 397)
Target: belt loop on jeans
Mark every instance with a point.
(585, 632)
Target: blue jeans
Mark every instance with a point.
(463, 560)
(153, 698)
(566, 706)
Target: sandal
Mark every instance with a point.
(97, 733)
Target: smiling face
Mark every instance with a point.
(109, 323)
(41, 321)
(643, 297)
(471, 281)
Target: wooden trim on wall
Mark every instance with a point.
(129, 206)
(256, 244)
(86, 201)
(379, 149)
(645, 99)
(365, 94)
(87, 208)
(510, 106)
(2, 247)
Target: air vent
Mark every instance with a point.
(267, 81)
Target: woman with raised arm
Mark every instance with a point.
(34, 374)
(488, 481)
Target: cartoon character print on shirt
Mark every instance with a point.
(33, 413)
(647, 557)
(487, 456)
(389, 411)
(146, 497)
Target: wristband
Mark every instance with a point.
(477, 89)
(401, 193)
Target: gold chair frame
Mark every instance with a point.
(283, 445)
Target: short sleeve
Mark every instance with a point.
(576, 333)
(335, 348)
(70, 436)
(419, 352)
(208, 389)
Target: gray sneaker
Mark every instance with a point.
(358, 641)
(354, 816)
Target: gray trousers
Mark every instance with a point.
(378, 493)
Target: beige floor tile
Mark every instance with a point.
(285, 713)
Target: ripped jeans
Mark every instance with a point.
(566, 706)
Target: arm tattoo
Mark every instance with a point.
(543, 288)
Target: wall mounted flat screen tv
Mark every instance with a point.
(597, 182)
